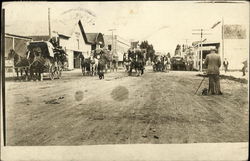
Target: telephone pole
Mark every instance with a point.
(112, 30)
(201, 33)
(49, 22)
(222, 38)
(222, 35)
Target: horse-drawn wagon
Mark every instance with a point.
(161, 63)
(41, 57)
(46, 59)
(136, 61)
(178, 63)
(158, 63)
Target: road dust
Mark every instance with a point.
(78, 95)
(155, 108)
(120, 93)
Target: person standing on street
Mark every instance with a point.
(244, 67)
(213, 63)
(225, 64)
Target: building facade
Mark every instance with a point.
(16, 42)
(236, 51)
(75, 45)
(117, 45)
(232, 43)
(206, 47)
(96, 40)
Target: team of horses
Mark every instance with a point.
(95, 64)
(29, 66)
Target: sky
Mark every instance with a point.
(164, 24)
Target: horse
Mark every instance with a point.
(101, 67)
(126, 62)
(86, 66)
(21, 64)
(137, 63)
(158, 63)
(165, 62)
(114, 65)
(93, 65)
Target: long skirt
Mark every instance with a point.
(214, 84)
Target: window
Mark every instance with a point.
(78, 44)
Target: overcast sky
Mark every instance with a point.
(164, 24)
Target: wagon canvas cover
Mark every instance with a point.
(46, 47)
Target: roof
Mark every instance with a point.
(63, 36)
(40, 37)
(18, 36)
(95, 38)
(206, 43)
(83, 32)
(92, 37)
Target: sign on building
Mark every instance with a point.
(134, 44)
(234, 32)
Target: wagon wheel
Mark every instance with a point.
(52, 72)
(58, 72)
(83, 71)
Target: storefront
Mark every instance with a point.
(202, 52)
(17, 43)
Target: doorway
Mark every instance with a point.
(77, 61)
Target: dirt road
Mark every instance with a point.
(153, 108)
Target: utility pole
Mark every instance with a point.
(222, 38)
(201, 33)
(201, 51)
(112, 30)
(49, 22)
(112, 48)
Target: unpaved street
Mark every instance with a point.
(153, 108)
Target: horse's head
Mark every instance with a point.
(12, 54)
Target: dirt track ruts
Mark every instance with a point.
(153, 108)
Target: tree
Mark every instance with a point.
(149, 48)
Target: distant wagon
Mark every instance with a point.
(158, 63)
(136, 61)
(178, 63)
